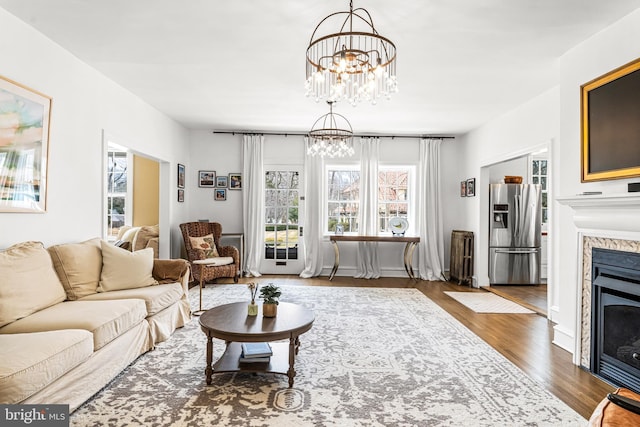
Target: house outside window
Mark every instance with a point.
(393, 195)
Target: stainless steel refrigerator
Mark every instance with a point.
(514, 234)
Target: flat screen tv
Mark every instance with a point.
(611, 125)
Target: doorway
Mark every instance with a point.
(534, 166)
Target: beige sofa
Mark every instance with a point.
(73, 316)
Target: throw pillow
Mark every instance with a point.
(125, 270)
(143, 236)
(78, 266)
(28, 282)
(205, 244)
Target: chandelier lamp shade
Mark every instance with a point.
(354, 64)
(330, 136)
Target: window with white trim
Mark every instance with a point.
(116, 191)
(539, 176)
(393, 194)
(342, 198)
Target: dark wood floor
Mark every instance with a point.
(523, 339)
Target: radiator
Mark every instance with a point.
(461, 262)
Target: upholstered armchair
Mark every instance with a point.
(228, 256)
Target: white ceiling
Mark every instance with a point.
(239, 65)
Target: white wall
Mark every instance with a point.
(605, 51)
(223, 154)
(84, 104)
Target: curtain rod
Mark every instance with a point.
(355, 135)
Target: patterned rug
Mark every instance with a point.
(374, 357)
(486, 302)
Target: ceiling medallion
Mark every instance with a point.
(354, 64)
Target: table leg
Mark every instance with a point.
(408, 258)
(209, 369)
(292, 358)
(297, 345)
(336, 259)
(200, 310)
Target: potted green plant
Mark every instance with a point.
(270, 294)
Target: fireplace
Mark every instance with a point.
(615, 317)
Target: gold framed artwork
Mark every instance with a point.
(24, 148)
(610, 128)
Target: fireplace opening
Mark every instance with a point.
(615, 317)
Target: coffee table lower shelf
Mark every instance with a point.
(230, 360)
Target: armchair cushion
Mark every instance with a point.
(122, 269)
(205, 246)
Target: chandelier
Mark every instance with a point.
(331, 135)
(353, 64)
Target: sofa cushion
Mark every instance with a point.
(206, 245)
(156, 298)
(32, 361)
(78, 266)
(125, 270)
(28, 282)
(106, 320)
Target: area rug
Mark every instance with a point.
(374, 357)
(486, 302)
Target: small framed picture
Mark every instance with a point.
(221, 182)
(180, 176)
(180, 195)
(221, 194)
(471, 187)
(463, 188)
(235, 181)
(206, 179)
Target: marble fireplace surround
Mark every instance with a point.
(603, 221)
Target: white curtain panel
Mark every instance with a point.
(367, 263)
(313, 225)
(431, 246)
(253, 203)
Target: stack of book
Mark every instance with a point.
(255, 352)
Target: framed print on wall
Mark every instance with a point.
(180, 176)
(221, 194)
(180, 195)
(463, 188)
(471, 187)
(221, 182)
(24, 148)
(235, 181)
(207, 179)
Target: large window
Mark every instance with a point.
(393, 195)
(282, 198)
(343, 199)
(116, 191)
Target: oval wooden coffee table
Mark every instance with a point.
(230, 322)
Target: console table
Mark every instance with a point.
(411, 243)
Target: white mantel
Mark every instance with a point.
(602, 220)
(616, 212)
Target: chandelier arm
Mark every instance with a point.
(369, 22)
(321, 22)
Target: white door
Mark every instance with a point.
(283, 243)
